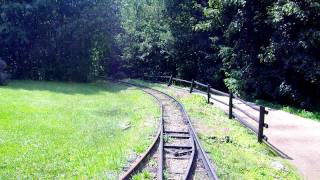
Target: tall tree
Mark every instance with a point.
(146, 40)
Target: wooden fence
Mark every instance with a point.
(200, 87)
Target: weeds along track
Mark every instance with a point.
(176, 152)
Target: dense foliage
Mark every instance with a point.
(3, 74)
(258, 49)
(56, 39)
(268, 48)
(146, 41)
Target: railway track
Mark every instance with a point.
(176, 152)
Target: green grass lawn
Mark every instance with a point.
(232, 147)
(68, 130)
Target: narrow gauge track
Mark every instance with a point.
(176, 152)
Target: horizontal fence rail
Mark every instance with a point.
(219, 92)
(182, 80)
(251, 105)
(224, 103)
(246, 113)
(200, 84)
(245, 123)
(232, 106)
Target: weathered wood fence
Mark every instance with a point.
(208, 90)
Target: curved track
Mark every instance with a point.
(176, 152)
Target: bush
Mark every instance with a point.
(4, 77)
(3, 65)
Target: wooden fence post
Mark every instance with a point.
(230, 105)
(209, 95)
(261, 123)
(192, 84)
(170, 81)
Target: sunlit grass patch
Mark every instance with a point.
(64, 130)
(144, 175)
(233, 148)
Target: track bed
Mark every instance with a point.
(176, 147)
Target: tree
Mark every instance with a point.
(268, 48)
(257, 49)
(58, 40)
(146, 40)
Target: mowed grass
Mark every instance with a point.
(68, 130)
(233, 148)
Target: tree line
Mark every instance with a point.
(257, 49)
(58, 40)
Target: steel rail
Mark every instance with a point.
(159, 138)
(251, 105)
(200, 151)
(192, 159)
(161, 159)
(243, 122)
(207, 163)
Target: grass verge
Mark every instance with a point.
(66, 130)
(233, 148)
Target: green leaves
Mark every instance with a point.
(58, 40)
(283, 9)
(146, 39)
(268, 54)
(249, 47)
(263, 44)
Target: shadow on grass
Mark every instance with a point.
(66, 87)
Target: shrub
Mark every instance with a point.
(4, 77)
